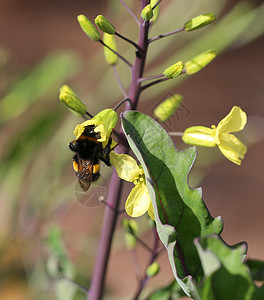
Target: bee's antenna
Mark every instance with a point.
(123, 101)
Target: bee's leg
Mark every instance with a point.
(104, 156)
(96, 176)
(72, 147)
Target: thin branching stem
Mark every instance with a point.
(119, 55)
(175, 133)
(129, 41)
(122, 102)
(135, 263)
(153, 83)
(155, 38)
(150, 77)
(130, 12)
(89, 115)
(156, 4)
(143, 244)
(153, 256)
(121, 86)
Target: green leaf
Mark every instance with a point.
(171, 291)
(227, 277)
(256, 268)
(180, 213)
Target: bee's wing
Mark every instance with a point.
(85, 185)
(85, 173)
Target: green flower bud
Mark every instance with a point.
(147, 13)
(200, 61)
(153, 269)
(131, 229)
(88, 28)
(155, 10)
(68, 97)
(130, 226)
(104, 24)
(168, 107)
(131, 241)
(174, 70)
(199, 22)
(110, 57)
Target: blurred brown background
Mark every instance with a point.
(37, 182)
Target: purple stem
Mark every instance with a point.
(110, 218)
(115, 188)
(153, 83)
(156, 4)
(150, 77)
(128, 40)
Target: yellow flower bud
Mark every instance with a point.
(199, 22)
(168, 107)
(88, 28)
(200, 61)
(147, 13)
(153, 269)
(174, 70)
(68, 97)
(104, 24)
(110, 57)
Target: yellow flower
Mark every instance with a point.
(230, 146)
(138, 201)
(104, 123)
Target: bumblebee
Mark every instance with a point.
(89, 153)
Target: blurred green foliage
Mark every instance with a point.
(35, 164)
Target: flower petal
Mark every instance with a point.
(233, 122)
(79, 129)
(151, 211)
(107, 118)
(199, 136)
(104, 123)
(126, 166)
(232, 148)
(138, 201)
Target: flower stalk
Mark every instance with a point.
(116, 184)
